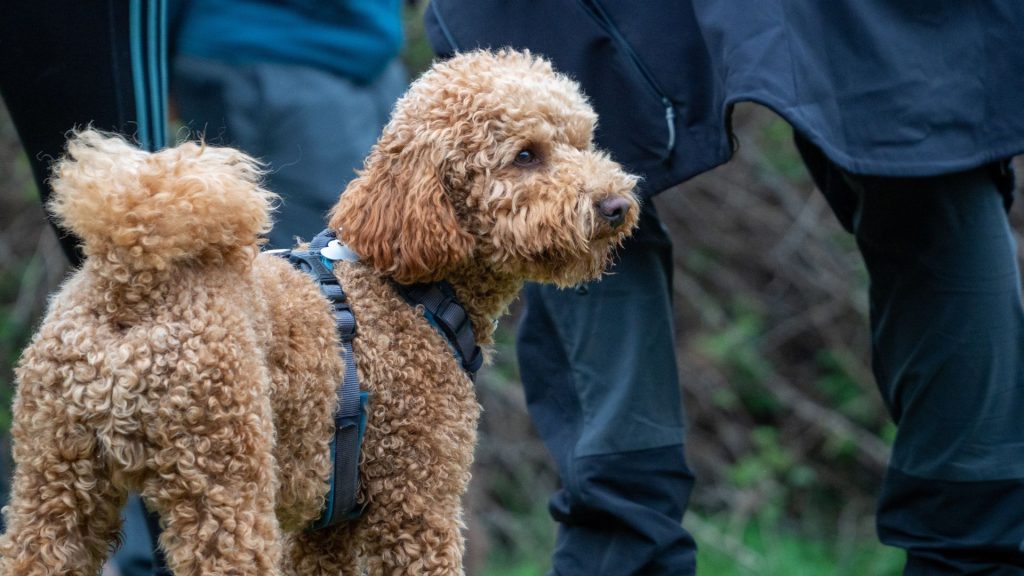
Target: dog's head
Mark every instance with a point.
(489, 160)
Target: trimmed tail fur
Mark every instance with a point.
(148, 211)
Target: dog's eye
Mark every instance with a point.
(526, 157)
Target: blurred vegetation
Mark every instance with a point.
(787, 434)
(31, 266)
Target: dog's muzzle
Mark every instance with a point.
(613, 210)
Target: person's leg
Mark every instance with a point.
(598, 366)
(134, 557)
(321, 135)
(67, 64)
(311, 127)
(947, 331)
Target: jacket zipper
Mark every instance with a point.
(596, 11)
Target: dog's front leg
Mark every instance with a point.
(428, 544)
(326, 552)
(414, 485)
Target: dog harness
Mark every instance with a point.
(441, 309)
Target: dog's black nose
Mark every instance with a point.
(613, 209)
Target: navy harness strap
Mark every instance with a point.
(350, 418)
(449, 317)
(442, 310)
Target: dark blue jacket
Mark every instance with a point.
(883, 87)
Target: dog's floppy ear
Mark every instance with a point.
(399, 218)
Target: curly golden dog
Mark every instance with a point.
(182, 363)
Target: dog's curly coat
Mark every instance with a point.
(180, 363)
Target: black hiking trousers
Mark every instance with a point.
(947, 339)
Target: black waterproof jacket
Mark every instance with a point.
(883, 87)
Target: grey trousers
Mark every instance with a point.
(312, 128)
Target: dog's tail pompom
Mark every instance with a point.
(144, 210)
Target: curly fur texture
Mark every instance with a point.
(180, 364)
